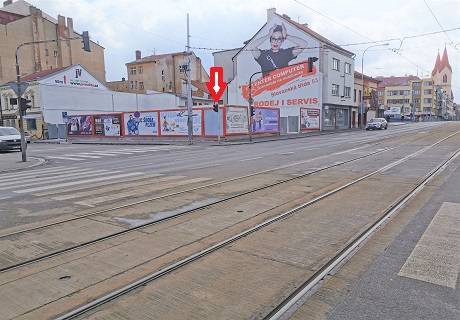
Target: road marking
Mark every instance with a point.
(204, 167)
(83, 181)
(64, 158)
(32, 172)
(136, 192)
(82, 156)
(436, 257)
(40, 181)
(62, 175)
(100, 154)
(249, 159)
(286, 153)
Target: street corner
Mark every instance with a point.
(11, 161)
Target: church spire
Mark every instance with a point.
(437, 65)
(445, 61)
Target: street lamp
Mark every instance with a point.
(361, 122)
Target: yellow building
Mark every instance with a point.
(21, 22)
(163, 72)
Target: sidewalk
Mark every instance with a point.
(229, 140)
(11, 161)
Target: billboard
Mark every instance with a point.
(80, 125)
(266, 120)
(309, 119)
(141, 123)
(174, 123)
(236, 120)
(276, 60)
(108, 125)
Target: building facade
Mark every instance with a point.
(411, 97)
(21, 22)
(163, 72)
(289, 66)
(371, 103)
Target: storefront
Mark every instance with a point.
(336, 117)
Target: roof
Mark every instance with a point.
(200, 86)
(7, 17)
(441, 63)
(155, 57)
(395, 81)
(358, 75)
(314, 34)
(41, 74)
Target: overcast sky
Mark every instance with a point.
(159, 26)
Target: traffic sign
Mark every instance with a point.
(14, 86)
(216, 85)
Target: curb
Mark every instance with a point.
(41, 161)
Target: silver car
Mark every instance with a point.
(10, 138)
(377, 124)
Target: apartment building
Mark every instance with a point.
(21, 22)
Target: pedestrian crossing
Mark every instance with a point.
(98, 154)
(90, 187)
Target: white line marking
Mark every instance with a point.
(32, 172)
(436, 257)
(83, 156)
(41, 178)
(286, 153)
(64, 158)
(249, 159)
(204, 167)
(56, 186)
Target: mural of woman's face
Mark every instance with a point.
(276, 40)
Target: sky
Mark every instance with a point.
(159, 26)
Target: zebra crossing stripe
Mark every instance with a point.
(32, 179)
(83, 181)
(64, 158)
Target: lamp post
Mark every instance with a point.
(361, 120)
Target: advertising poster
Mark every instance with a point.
(174, 123)
(236, 120)
(309, 119)
(276, 60)
(141, 123)
(80, 125)
(107, 125)
(265, 120)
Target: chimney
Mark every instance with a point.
(61, 26)
(270, 13)
(138, 54)
(70, 26)
(7, 3)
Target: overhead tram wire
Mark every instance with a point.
(361, 35)
(346, 44)
(439, 24)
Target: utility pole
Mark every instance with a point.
(21, 118)
(189, 87)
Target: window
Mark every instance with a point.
(141, 69)
(335, 90)
(141, 85)
(31, 124)
(427, 100)
(416, 92)
(135, 84)
(132, 70)
(131, 84)
(347, 92)
(354, 96)
(416, 101)
(1, 71)
(427, 83)
(444, 78)
(47, 53)
(427, 91)
(360, 96)
(347, 68)
(55, 53)
(335, 64)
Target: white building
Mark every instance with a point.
(276, 59)
(71, 91)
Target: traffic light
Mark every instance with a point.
(251, 110)
(85, 37)
(215, 107)
(24, 105)
(311, 60)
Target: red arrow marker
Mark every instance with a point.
(216, 85)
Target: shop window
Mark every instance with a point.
(32, 124)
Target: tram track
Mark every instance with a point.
(84, 309)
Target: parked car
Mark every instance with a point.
(377, 123)
(10, 138)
